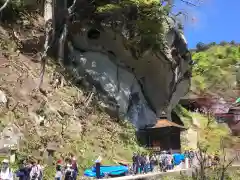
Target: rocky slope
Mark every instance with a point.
(66, 116)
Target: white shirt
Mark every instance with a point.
(35, 170)
(6, 175)
(59, 174)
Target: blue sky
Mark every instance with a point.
(212, 21)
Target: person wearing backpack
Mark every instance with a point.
(35, 171)
(68, 172)
(6, 172)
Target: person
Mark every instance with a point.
(152, 162)
(187, 156)
(191, 157)
(163, 161)
(40, 167)
(142, 163)
(6, 172)
(209, 161)
(169, 161)
(147, 164)
(59, 174)
(98, 165)
(23, 171)
(35, 172)
(134, 160)
(68, 172)
(75, 168)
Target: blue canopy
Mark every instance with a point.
(109, 170)
(178, 158)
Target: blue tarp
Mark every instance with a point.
(109, 170)
(178, 158)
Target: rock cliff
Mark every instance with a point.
(136, 89)
(134, 78)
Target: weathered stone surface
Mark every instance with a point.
(3, 97)
(118, 83)
(137, 89)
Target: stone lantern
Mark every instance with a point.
(51, 149)
(13, 150)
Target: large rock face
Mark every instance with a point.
(137, 89)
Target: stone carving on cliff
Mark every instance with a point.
(137, 87)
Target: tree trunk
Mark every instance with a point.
(49, 34)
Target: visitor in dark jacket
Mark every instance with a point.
(142, 163)
(137, 163)
(152, 162)
(23, 172)
(75, 168)
(134, 165)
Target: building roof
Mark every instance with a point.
(161, 123)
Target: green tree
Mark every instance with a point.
(215, 70)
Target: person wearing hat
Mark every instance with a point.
(6, 172)
(97, 166)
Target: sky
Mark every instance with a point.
(212, 21)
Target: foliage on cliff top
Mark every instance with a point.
(215, 69)
(143, 22)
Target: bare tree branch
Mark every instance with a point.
(72, 7)
(189, 3)
(4, 5)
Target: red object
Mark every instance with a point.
(59, 161)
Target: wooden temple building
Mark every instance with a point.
(164, 135)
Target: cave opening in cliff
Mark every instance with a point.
(164, 135)
(191, 105)
(93, 34)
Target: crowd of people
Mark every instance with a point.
(67, 169)
(28, 170)
(164, 161)
(33, 170)
(144, 163)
